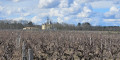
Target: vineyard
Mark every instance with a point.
(59, 45)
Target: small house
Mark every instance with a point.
(30, 28)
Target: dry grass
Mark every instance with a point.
(61, 45)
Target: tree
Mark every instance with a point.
(79, 24)
(86, 24)
(30, 24)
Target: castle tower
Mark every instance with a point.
(47, 25)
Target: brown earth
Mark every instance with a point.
(60, 45)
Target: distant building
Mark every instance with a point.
(30, 28)
(47, 25)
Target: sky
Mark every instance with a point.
(96, 12)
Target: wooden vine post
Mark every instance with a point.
(30, 54)
(24, 52)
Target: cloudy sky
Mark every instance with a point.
(97, 12)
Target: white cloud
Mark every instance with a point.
(63, 4)
(81, 1)
(117, 2)
(86, 20)
(41, 15)
(16, 0)
(66, 18)
(26, 14)
(85, 13)
(19, 18)
(75, 6)
(87, 9)
(20, 10)
(113, 13)
(114, 9)
(65, 13)
(12, 10)
(1, 8)
(48, 3)
(102, 4)
(112, 20)
(9, 12)
(36, 19)
(59, 20)
(55, 12)
(117, 16)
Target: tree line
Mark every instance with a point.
(10, 24)
(86, 26)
